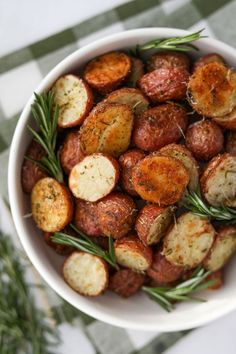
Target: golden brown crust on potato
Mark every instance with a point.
(106, 72)
(230, 145)
(188, 241)
(70, 152)
(165, 84)
(137, 71)
(159, 126)
(206, 59)
(85, 273)
(132, 253)
(218, 181)
(107, 129)
(74, 99)
(162, 271)
(85, 217)
(31, 173)
(212, 90)
(168, 59)
(116, 214)
(51, 205)
(228, 121)
(126, 282)
(127, 162)
(152, 223)
(60, 249)
(181, 153)
(204, 139)
(160, 179)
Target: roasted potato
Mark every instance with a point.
(60, 249)
(222, 250)
(107, 129)
(204, 139)
(165, 84)
(218, 181)
(230, 145)
(209, 58)
(51, 205)
(116, 214)
(31, 173)
(106, 72)
(160, 126)
(133, 97)
(132, 253)
(70, 152)
(160, 179)
(127, 161)
(227, 121)
(94, 177)
(181, 153)
(218, 278)
(137, 71)
(85, 273)
(85, 217)
(167, 59)
(152, 223)
(212, 90)
(74, 98)
(188, 241)
(162, 271)
(126, 282)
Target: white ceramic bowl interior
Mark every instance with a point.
(138, 312)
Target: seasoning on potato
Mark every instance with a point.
(85, 217)
(70, 152)
(167, 60)
(126, 282)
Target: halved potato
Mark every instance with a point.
(107, 129)
(222, 250)
(74, 98)
(94, 177)
(85, 273)
(218, 181)
(133, 97)
(132, 253)
(106, 72)
(160, 179)
(227, 121)
(126, 282)
(188, 241)
(152, 222)
(51, 205)
(181, 153)
(212, 90)
(137, 71)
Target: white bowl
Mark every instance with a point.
(138, 312)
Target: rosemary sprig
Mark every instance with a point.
(46, 118)
(193, 201)
(181, 44)
(166, 296)
(86, 244)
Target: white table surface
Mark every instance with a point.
(25, 21)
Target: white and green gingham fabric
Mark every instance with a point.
(22, 71)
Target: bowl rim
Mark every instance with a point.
(14, 200)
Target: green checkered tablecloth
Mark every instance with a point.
(22, 71)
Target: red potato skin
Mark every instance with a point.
(127, 161)
(60, 249)
(160, 126)
(162, 271)
(206, 59)
(116, 214)
(165, 84)
(204, 139)
(218, 277)
(167, 60)
(85, 217)
(71, 152)
(230, 145)
(126, 282)
(30, 172)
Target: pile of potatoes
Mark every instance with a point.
(132, 137)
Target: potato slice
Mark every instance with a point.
(181, 153)
(126, 282)
(70, 151)
(94, 177)
(212, 90)
(218, 181)
(133, 97)
(106, 72)
(188, 241)
(85, 273)
(160, 179)
(222, 250)
(228, 121)
(152, 222)
(51, 205)
(132, 253)
(107, 129)
(74, 98)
